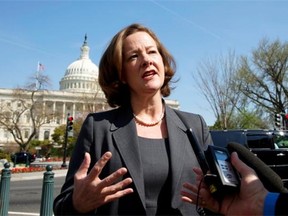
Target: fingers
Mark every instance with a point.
(107, 185)
(240, 166)
(202, 198)
(198, 171)
(117, 190)
(90, 191)
(194, 197)
(83, 169)
(191, 187)
(187, 196)
(96, 170)
(109, 180)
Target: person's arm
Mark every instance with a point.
(281, 204)
(270, 203)
(84, 191)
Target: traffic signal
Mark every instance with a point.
(278, 120)
(285, 121)
(70, 123)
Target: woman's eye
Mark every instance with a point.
(133, 56)
(153, 51)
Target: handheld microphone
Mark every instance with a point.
(198, 151)
(270, 179)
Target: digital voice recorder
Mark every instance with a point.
(219, 174)
(222, 177)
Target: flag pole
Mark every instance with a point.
(38, 66)
(37, 75)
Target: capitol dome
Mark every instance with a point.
(82, 74)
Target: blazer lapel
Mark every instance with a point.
(177, 143)
(125, 137)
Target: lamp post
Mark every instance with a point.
(69, 128)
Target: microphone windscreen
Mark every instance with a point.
(270, 179)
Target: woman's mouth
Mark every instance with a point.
(148, 74)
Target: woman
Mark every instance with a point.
(133, 160)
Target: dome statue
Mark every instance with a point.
(82, 74)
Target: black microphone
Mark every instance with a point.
(198, 151)
(270, 179)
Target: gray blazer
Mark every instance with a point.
(115, 131)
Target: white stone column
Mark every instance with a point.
(53, 111)
(44, 111)
(73, 110)
(83, 107)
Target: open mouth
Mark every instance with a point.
(148, 74)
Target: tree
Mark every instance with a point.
(263, 78)
(91, 103)
(26, 108)
(214, 80)
(59, 135)
(247, 91)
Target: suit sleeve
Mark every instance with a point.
(270, 203)
(198, 125)
(206, 137)
(63, 204)
(281, 204)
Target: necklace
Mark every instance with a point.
(150, 124)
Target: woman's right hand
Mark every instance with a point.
(91, 192)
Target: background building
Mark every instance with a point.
(79, 95)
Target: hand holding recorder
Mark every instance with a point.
(249, 200)
(218, 174)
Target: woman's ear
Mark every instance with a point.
(123, 80)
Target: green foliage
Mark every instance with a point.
(35, 143)
(243, 120)
(259, 81)
(45, 145)
(5, 155)
(59, 137)
(248, 120)
(263, 77)
(216, 126)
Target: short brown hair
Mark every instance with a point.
(110, 67)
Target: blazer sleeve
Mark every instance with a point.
(207, 140)
(281, 204)
(63, 204)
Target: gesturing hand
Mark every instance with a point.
(91, 192)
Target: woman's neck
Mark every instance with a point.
(149, 105)
(149, 117)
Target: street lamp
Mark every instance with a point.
(69, 128)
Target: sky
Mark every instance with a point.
(52, 32)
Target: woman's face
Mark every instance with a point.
(143, 67)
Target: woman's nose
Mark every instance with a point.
(147, 60)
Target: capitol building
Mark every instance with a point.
(79, 94)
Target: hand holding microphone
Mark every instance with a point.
(270, 179)
(249, 200)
